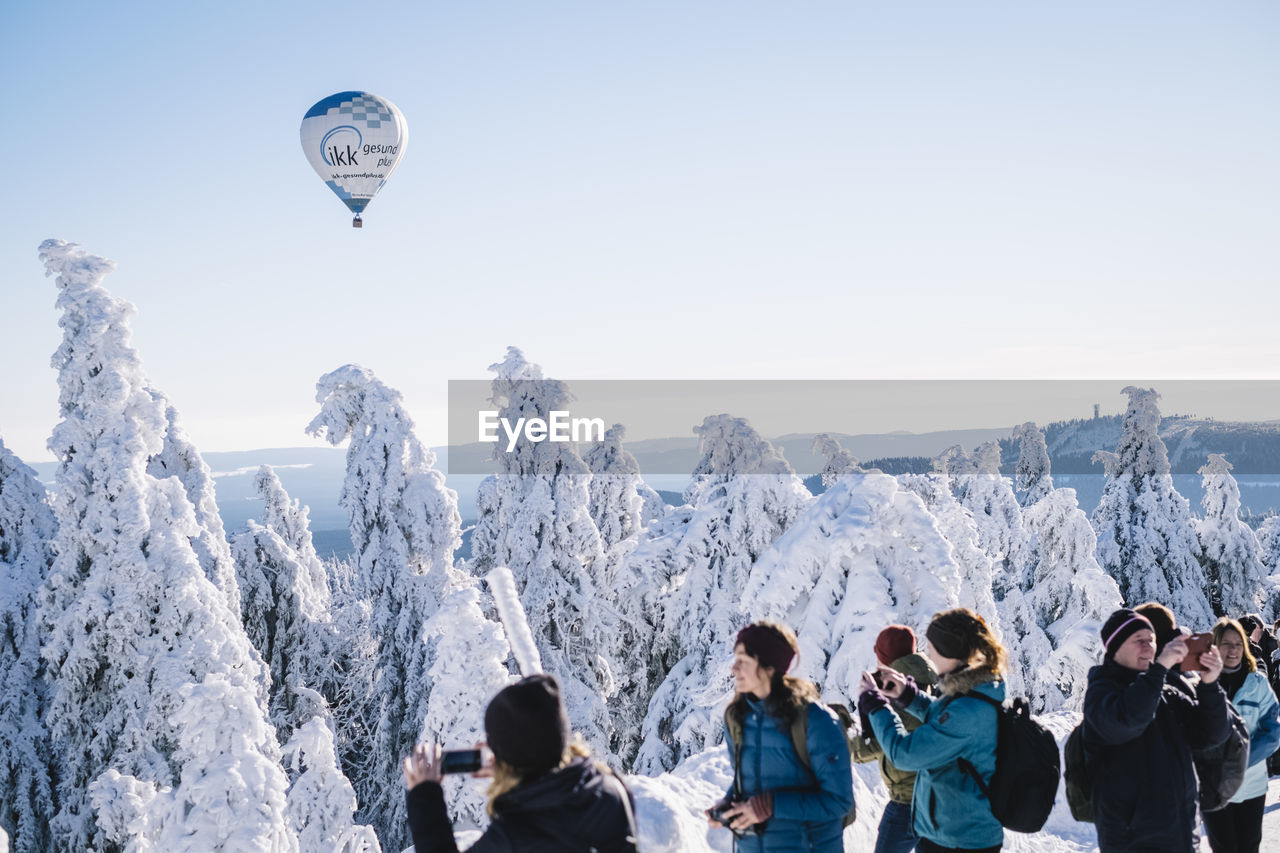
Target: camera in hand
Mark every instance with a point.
(460, 761)
(717, 814)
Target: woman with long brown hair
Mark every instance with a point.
(951, 813)
(1237, 828)
(782, 800)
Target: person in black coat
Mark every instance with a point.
(546, 794)
(1138, 735)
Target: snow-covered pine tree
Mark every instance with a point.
(229, 798)
(321, 802)
(1229, 549)
(1055, 619)
(285, 607)
(469, 668)
(131, 614)
(959, 528)
(1269, 554)
(839, 460)
(535, 519)
(980, 488)
(743, 496)
(866, 554)
(1146, 534)
(405, 529)
(179, 458)
(1032, 478)
(621, 506)
(27, 531)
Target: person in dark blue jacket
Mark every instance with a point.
(951, 814)
(1138, 734)
(778, 804)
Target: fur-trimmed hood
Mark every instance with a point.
(965, 679)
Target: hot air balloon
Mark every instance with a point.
(354, 141)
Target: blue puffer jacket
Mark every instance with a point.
(948, 807)
(807, 811)
(1256, 702)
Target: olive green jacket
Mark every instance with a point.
(865, 748)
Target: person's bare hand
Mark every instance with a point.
(1174, 653)
(742, 815)
(1211, 665)
(422, 765)
(486, 769)
(893, 682)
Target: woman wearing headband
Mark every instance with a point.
(782, 801)
(1138, 735)
(950, 811)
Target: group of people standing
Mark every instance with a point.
(1153, 714)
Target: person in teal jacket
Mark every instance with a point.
(1238, 827)
(777, 804)
(950, 811)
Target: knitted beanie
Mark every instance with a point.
(1120, 626)
(896, 641)
(527, 726)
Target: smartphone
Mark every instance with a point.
(461, 761)
(1197, 644)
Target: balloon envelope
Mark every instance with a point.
(354, 141)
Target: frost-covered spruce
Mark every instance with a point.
(960, 529)
(285, 608)
(1146, 533)
(865, 555)
(1032, 478)
(405, 529)
(1269, 553)
(131, 614)
(27, 531)
(321, 802)
(622, 504)
(1055, 620)
(981, 489)
(839, 460)
(229, 797)
(1229, 549)
(468, 669)
(535, 519)
(179, 458)
(743, 496)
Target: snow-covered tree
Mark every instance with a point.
(958, 527)
(839, 460)
(229, 797)
(1146, 534)
(1032, 477)
(1269, 554)
(179, 458)
(405, 529)
(131, 614)
(1053, 622)
(535, 519)
(866, 554)
(468, 669)
(743, 496)
(980, 488)
(285, 607)
(27, 530)
(1229, 549)
(618, 497)
(321, 802)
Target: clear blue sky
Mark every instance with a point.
(646, 190)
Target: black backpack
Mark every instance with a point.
(1025, 782)
(1077, 776)
(1221, 769)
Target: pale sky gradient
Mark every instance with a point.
(646, 190)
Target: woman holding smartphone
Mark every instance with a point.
(545, 794)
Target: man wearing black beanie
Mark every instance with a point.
(1138, 735)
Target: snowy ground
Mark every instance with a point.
(669, 810)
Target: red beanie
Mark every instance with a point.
(896, 641)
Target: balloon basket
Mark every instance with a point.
(357, 222)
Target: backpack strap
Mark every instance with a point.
(733, 728)
(965, 765)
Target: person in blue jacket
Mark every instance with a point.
(950, 811)
(1238, 827)
(778, 804)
